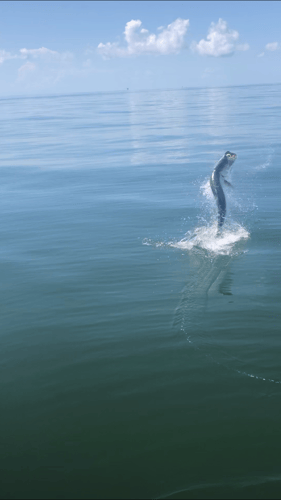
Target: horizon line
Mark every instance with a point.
(37, 96)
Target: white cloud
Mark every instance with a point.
(272, 46)
(139, 41)
(44, 67)
(221, 41)
(4, 56)
(37, 52)
(45, 54)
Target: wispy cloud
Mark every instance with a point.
(139, 41)
(221, 41)
(44, 66)
(35, 53)
(45, 54)
(4, 56)
(25, 69)
(272, 46)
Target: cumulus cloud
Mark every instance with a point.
(139, 41)
(221, 41)
(272, 46)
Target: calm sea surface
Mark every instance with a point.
(140, 354)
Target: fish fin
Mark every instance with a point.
(228, 184)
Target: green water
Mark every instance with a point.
(140, 354)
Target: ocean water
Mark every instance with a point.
(140, 353)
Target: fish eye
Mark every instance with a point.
(228, 154)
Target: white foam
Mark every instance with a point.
(208, 239)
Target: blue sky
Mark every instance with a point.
(66, 47)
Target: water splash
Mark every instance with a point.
(207, 239)
(206, 190)
(264, 165)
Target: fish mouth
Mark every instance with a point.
(231, 157)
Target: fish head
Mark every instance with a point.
(230, 157)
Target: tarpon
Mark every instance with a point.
(218, 174)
